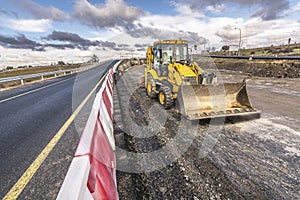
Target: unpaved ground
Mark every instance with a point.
(261, 68)
(247, 158)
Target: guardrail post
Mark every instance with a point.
(55, 75)
(64, 73)
(43, 78)
(22, 82)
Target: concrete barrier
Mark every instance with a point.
(74, 186)
(92, 174)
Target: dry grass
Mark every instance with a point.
(293, 49)
(35, 70)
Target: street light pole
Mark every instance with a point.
(240, 40)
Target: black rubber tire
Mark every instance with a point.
(151, 91)
(167, 101)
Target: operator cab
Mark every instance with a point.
(166, 53)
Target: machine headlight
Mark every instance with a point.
(191, 80)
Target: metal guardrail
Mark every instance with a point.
(42, 75)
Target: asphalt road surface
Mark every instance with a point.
(30, 116)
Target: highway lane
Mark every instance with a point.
(30, 121)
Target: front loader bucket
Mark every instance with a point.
(210, 101)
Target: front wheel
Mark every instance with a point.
(151, 87)
(165, 97)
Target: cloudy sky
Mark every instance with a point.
(41, 32)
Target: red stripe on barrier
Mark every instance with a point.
(100, 147)
(102, 158)
(104, 186)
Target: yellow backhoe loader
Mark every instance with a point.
(173, 79)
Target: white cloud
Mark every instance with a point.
(19, 57)
(110, 19)
(40, 11)
(296, 7)
(257, 33)
(220, 30)
(27, 25)
(114, 13)
(268, 9)
(185, 10)
(205, 27)
(276, 34)
(104, 35)
(216, 9)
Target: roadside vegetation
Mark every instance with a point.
(293, 49)
(31, 70)
(35, 70)
(287, 50)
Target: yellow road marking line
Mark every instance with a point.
(29, 92)
(16, 190)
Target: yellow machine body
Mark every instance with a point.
(171, 77)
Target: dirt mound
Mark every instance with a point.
(262, 68)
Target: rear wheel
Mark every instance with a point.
(165, 97)
(151, 87)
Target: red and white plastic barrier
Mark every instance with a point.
(92, 174)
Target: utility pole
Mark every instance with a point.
(240, 40)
